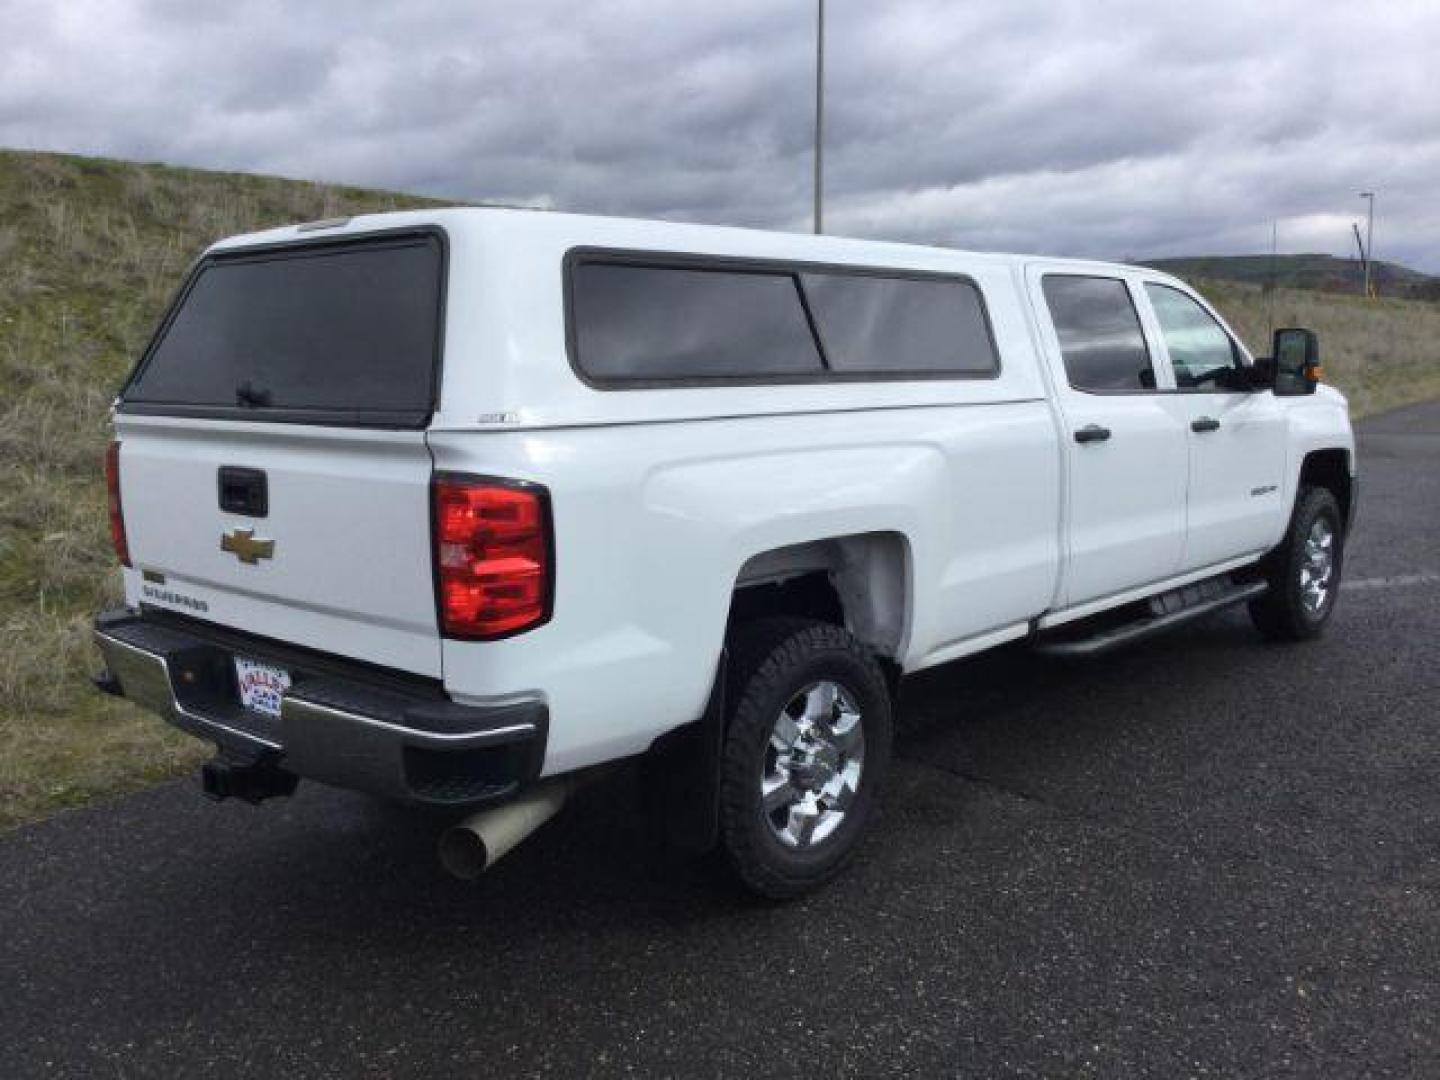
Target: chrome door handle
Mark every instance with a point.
(1092, 433)
(1205, 423)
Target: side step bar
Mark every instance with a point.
(1168, 610)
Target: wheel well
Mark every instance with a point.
(810, 595)
(858, 582)
(1329, 469)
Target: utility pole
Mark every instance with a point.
(1369, 196)
(819, 111)
(1274, 254)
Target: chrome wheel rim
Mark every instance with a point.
(1317, 566)
(813, 762)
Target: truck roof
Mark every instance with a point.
(516, 319)
(646, 233)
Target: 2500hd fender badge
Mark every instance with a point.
(246, 546)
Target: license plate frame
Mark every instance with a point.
(260, 685)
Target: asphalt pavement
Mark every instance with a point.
(1206, 856)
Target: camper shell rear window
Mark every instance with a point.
(342, 332)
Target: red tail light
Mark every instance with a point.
(117, 518)
(493, 567)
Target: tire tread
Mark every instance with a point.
(1278, 615)
(764, 655)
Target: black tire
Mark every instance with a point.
(1283, 613)
(773, 661)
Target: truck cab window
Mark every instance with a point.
(1201, 352)
(1100, 337)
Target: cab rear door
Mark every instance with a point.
(1124, 435)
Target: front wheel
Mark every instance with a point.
(806, 745)
(1304, 571)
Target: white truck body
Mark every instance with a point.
(950, 514)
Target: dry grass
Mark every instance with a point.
(89, 252)
(1382, 353)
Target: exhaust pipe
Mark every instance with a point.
(476, 844)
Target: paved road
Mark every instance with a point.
(1207, 857)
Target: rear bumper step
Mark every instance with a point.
(337, 728)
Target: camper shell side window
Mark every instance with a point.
(645, 319)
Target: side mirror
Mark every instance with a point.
(1296, 362)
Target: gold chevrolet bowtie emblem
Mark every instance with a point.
(245, 546)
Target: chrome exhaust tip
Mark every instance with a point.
(477, 843)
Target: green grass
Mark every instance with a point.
(90, 251)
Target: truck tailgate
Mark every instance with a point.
(347, 565)
(273, 470)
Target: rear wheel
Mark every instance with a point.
(806, 745)
(1304, 571)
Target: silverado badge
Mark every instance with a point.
(245, 546)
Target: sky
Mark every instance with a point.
(1069, 127)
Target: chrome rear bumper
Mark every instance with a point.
(339, 722)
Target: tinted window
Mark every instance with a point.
(1200, 349)
(890, 324)
(1100, 336)
(346, 329)
(653, 322)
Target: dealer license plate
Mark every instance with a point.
(261, 685)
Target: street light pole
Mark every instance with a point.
(1369, 196)
(819, 111)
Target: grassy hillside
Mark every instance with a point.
(89, 253)
(1382, 353)
(1323, 272)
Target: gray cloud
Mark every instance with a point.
(1091, 127)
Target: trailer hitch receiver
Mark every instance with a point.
(254, 781)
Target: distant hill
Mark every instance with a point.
(1325, 273)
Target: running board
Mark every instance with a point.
(1168, 610)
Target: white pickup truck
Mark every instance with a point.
(456, 507)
